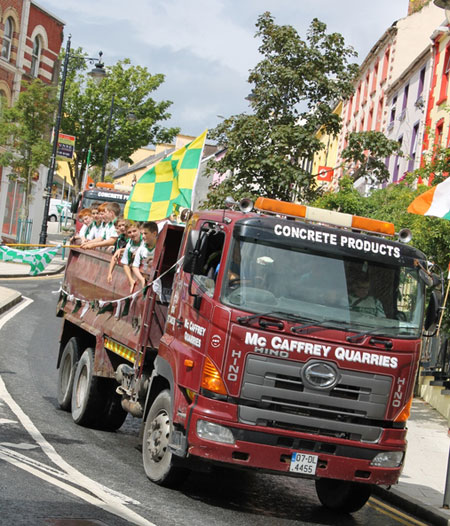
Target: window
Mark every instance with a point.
(264, 277)
(349, 112)
(393, 109)
(358, 96)
(445, 77)
(7, 39)
(385, 65)
(412, 151)
(374, 78)
(379, 114)
(370, 120)
(397, 162)
(421, 83)
(405, 97)
(35, 57)
(211, 260)
(366, 87)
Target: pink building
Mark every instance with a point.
(386, 63)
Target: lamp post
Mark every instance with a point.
(444, 4)
(97, 73)
(131, 117)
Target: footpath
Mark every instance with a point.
(421, 487)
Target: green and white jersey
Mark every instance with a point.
(143, 256)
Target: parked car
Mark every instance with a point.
(59, 208)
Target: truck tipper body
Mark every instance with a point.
(252, 347)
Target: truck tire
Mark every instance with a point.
(341, 495)
(113, 415)
(88, 401)
(156, 455)
(66, 372)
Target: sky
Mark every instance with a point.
(206, 48)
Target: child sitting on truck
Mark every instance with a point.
(122, 228)
(134, 241)
(107, 234)
(96, 222)
(144, 254)
(85, 217)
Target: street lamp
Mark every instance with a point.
(97, 73)
(131, 117)
(444, 4)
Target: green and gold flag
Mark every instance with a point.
(166, 185)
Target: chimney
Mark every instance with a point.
(416, 5)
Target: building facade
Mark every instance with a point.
(376, 98)
(30, 42)
(406, 103)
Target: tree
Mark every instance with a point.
(296, 86)
(25, 135)
(87, 108)
(367, 151)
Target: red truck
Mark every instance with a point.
(284, 340)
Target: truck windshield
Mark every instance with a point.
(345, 293)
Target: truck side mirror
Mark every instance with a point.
(189, 254)
(75, 203)
(433, 309)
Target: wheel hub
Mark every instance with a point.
(158, 437)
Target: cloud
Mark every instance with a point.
(205, 48)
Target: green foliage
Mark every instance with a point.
(296, 86)
(368, 151)
(25, 134)
(346, 200)
(87, 108)
(430, 234)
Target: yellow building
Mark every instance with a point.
(325, 161)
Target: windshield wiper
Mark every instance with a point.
(361, 335)
(310, 324)
(243, 320)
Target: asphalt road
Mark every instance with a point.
(54, 473)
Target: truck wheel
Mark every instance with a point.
(87, 399)
(156, 455)
(341, 495)
(66, 372)
(113, 415)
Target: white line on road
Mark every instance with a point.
(104, 498)
(11, 313)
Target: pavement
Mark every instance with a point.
(421, 487)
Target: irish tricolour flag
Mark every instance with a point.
(434, 202)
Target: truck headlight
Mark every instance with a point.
(388, 459)
(214, 432)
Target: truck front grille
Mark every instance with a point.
(274, 395)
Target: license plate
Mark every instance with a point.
(303, 463)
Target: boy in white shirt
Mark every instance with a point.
(92, 234)
(107, 234)
(144, 254)
(134, 241)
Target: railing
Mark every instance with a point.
(24, 227)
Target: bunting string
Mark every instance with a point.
(120, 306)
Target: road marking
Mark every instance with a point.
(99, 495)
(15, 310)
(396, 514)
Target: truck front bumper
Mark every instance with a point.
(271, 449)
